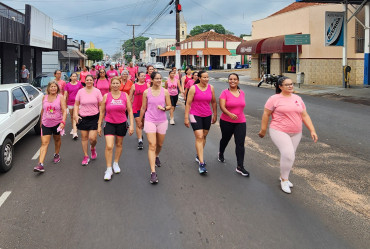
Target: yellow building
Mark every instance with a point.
(322, 65)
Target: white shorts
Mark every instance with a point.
(70, 107)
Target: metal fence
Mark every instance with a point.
(11, 31)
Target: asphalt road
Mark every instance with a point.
(71, 206)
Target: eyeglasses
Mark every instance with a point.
(158, 78)
(101, 72)
(287, 85)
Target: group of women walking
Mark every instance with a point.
(118, 101)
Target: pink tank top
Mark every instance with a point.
(52, 114)
(115, 109)
(153, 114)
(172, 87)
(200, 105)
(138, 97)
(147, 79)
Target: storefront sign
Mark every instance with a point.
(246, 49)
(334, 24)
(304, 39)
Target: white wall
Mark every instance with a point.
(198, 44)
(50, 62)
(215, 44)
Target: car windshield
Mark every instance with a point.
(4, 101)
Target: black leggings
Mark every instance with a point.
(239, 131)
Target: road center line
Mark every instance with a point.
(37, 154)
(4, 196)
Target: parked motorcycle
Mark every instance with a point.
(271, 79)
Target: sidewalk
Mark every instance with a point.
(355, 94)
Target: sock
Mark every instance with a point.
(140, 139)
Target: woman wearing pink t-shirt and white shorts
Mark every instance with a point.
(156, 101)
(86, 115)
(287, 111)
(232, 122)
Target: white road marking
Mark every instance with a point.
(4, 196)
(37, 154)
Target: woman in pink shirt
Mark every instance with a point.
(232, 122)
(172, 85)
(61, 83)
(189, 84)
(70, 93)
(53, 119)
(102, 83)
(86, 115)
(199, 112)
(94, 72)
(111, 73)
(156, 101)
(186, 77)
(113, 109)
(136, 97)
(149, 71)
(287, 111)
(132, 72)
(83, 75)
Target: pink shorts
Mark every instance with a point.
(150, 127)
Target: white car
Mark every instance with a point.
(158, 65)
(20, 108)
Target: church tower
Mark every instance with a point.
(183, 28)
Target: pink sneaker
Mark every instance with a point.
(85, 161)
(93, 154)
(39, 168)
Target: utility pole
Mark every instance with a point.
(178, 48)
(133, 40)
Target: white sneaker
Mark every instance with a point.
(172, 121)
(108, 174)
(71, 132)
(290, 184)
(285, 187)
(116, 168)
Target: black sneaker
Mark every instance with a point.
(140, 145)
(242, 171)
(221, 157)
(153, 178)
(157, 162)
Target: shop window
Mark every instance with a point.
(289, 63)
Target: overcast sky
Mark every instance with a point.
(97, 20)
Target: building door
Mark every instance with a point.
(215, 61)
(265, 64)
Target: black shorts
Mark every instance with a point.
(119, 130)
(49, 130)
(174, 100)
(200, 123)
(137, 114)
(88, 123)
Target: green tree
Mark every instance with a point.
(94, 54)
(139, 46)
(218, 28)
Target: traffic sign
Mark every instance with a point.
(152, 54)
(304, 39)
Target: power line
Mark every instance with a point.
(160, 14)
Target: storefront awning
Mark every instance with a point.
(168, 53)
(194, 51)
(250, 47)
(276, 45)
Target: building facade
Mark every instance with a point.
(22, 41)
(321, 65)
(209, 49)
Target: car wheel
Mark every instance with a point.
(37, 127)
(6, 150)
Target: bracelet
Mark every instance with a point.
(62, 122)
